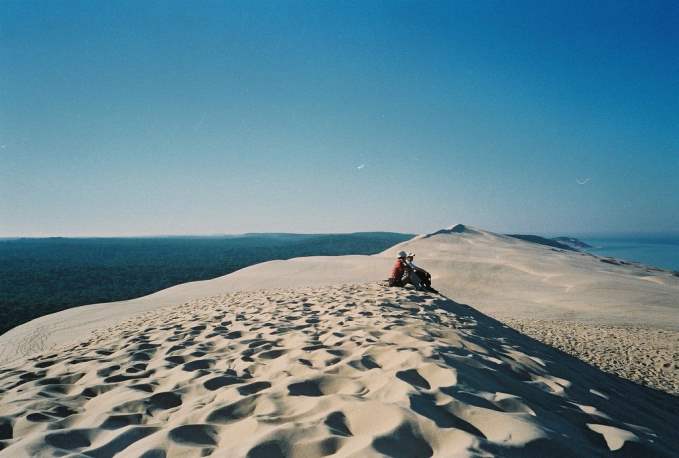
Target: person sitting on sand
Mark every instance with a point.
(400, 272)
(421, 276)
(405, 271)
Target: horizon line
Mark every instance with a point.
(254, 233)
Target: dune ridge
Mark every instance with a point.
(347, 370)
(501, 276)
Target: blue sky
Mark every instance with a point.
(131, 118)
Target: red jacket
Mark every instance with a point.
(398, 270)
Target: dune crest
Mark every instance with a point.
(501, 275)
(354, 370)
(514, 280)
(453, 229)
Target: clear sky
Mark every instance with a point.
(126, 118)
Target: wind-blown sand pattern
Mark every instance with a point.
(501, 276)
(354, 370)
(647, 356)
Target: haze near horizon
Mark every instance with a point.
(130, 118)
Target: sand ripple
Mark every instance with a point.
(352, 370)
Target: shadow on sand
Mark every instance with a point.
(572, 394)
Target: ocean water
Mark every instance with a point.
(658, 251)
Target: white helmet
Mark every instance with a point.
(401, 254)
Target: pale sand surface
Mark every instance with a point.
(76, 323)
(647, 356)
(501, 276)
(356, 370)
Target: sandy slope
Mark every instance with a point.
(647, 356)
(507, 277)
(499, 275)
(76, 323)
(356, 370)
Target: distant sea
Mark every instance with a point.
(658, 251)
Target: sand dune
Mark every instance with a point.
(645, 355)
(506, 277)
(501, 276)
(353, 370)
(314, 357)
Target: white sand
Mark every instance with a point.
(348, 371)
(647, 356)
(236, 367)
(499, 275)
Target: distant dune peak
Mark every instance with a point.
(459, 228)
(454, 229)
